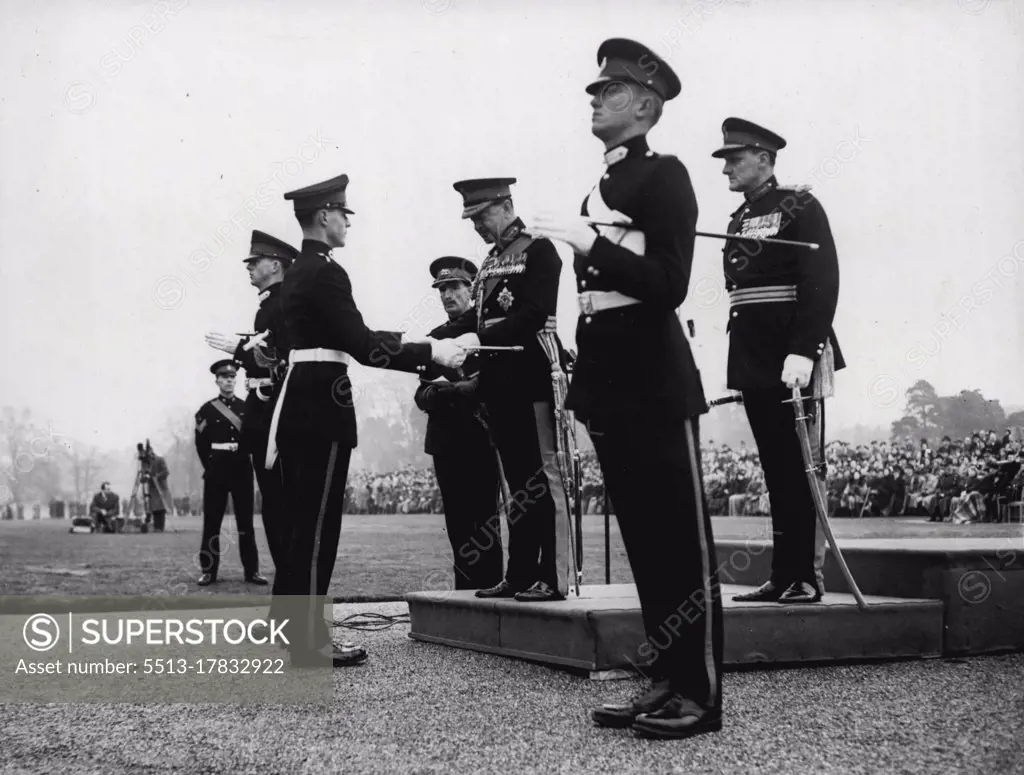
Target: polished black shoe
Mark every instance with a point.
(206, 580)
(503, 589)
(678, 718)
(539, 593)
(255, 578)
(800, 592)
(769, 592)
(622, 716)
(332, 655)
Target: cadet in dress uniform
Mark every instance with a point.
(515, 299)
(458, 440)
(314, 422)
(782, 302)
(226, 470)
(637, 388)
(266, 263)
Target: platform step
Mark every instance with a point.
(603, 630)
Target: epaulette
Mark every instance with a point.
(800, 188)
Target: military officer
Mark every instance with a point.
(637, 389)
(515, 299)
(458, 440)
(266, 263)
(314, 422)
(226, 470)
(782, 302)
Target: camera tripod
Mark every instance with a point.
(141, 483)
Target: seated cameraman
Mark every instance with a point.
(104, 507)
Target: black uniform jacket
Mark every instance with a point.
(220, 421)
(319, 311)
(452, 423)
(762, 335)
(637, 359)
(255, 362)
(516, 296)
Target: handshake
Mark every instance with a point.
(447, 352)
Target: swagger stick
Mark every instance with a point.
(818, 491)
(717, 235)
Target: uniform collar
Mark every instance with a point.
(269, 291)
(510, 234)
(316, 247)
(634, 146)
(769, 185)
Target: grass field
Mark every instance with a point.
(380, 557)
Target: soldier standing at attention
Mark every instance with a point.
(226, 470)
(782, 301)
(637, 388)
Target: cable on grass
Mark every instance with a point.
(369, 621)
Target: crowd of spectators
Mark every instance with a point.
(959, 481)
(967, 480)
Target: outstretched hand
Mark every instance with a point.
(226, 342)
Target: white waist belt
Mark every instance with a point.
(313, 355)
(598, 301)
(231, 446)
(319, 355)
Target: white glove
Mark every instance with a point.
(447, 353)
(226, 342)
(796, 371)
(467, 340)
(572, 230)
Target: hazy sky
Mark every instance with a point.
(141, 142)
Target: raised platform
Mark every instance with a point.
(603, 630)
(979, 581)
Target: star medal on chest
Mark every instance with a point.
(505, 298)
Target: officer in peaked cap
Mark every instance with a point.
(516, 299)
(637, 388)
(328, 195)
(226, 471)
(457, 439)
(314, 422)
(782, 304)
(452, 269)
(622, 60)
(739, 134)
(266, 263)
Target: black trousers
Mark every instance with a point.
(271, 484)
(797, 542)
(469, 482)
(652, 471)
(538, 521)
(315, 473)
(233, 479)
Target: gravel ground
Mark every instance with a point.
(416, 707)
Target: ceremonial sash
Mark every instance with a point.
(233, 418)
(631, 239)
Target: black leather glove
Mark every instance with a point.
(435, 396)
